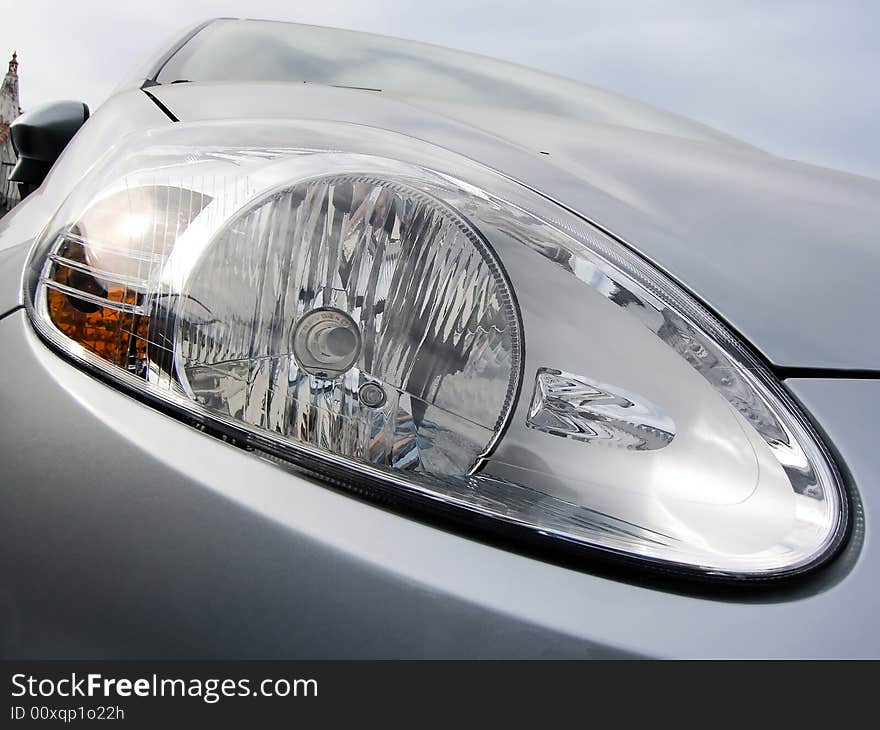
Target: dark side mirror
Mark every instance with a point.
(40, 136)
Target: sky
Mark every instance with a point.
(797, 78)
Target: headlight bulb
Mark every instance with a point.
(326, 342)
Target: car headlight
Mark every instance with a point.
(409, 324)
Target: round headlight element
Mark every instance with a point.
(315, 291)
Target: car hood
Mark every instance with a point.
(786, 253)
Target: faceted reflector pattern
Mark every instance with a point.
(573, 407)
(439, 329)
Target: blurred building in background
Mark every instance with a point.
(9, 110)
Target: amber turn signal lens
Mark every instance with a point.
(118, 335)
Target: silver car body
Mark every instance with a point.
(125, 533)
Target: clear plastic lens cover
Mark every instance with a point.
(357, 280)
(389, 314)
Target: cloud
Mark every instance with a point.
(793, 77)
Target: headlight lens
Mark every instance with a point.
(372, 321)
(403, 321)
